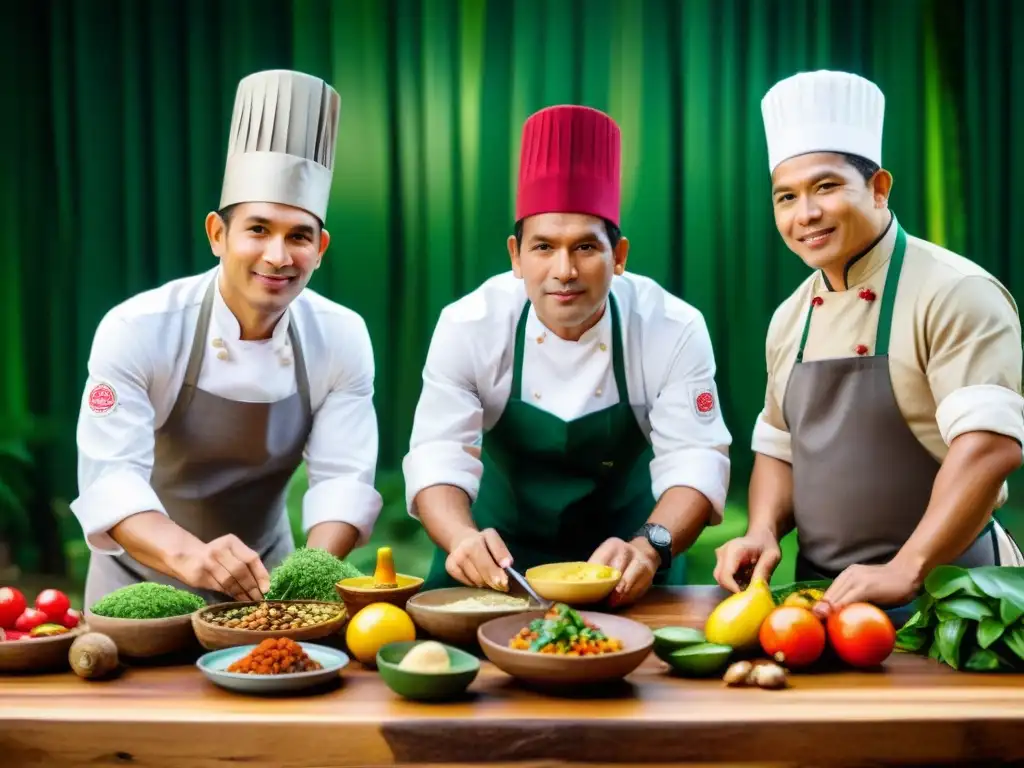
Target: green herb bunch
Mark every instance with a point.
(147, 600)
(309, 574)
(970, 619)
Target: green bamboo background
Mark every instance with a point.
(114, 153)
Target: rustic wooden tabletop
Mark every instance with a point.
(914, 711)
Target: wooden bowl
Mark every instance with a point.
(213, 637)
(549, 669)
(359, 592)
(430, 612)
(146, 638)
(39, 654)
(576, 583)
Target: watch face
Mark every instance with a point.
(660, 536)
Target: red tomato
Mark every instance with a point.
(30, 619)
(862, 634)
(53, 603)
(71, 618)
(14, 635)
(793, 636)
(12, 605)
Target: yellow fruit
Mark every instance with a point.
(737, 620)
(384, 576)
(375, 626)
(804, 598)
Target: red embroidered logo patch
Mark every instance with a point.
(102, 399)
(705, 402)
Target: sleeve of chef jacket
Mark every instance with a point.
(974, 360)
(688, 432)
(771, 436)
(115, 448)
(448, 425)
(341, 453)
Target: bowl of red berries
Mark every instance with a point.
(36, 636)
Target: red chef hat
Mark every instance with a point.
(569, 163)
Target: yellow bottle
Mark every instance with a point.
(736, 621)
(384, 577)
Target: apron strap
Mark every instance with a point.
(517, 354)
(885, 312)
(195, 358)
(618, 359)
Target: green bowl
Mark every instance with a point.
(426, 686)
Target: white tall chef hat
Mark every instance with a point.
(823, 111)
(284, 129)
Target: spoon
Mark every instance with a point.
(545, 604)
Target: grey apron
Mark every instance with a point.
(861, 479)
(220, 467)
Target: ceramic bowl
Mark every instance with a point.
(551, 669)
(430, 611)
(426, 686)
(146, 638)
(576, 583)
(214, 666)
(359, 592)
(39, 654)
(214, 637)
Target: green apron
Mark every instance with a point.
(556, 490)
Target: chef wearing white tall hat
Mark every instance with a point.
(205, 394)
(893, 413)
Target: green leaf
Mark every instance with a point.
(950, 634)
(912, 640)
(1002, 582)
(1009, 612)
(1014, 640)
(983, 660)
(989, 630)
(934, 652)
(964, 608)
(946, 580)
(919, 620)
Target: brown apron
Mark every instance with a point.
(861, 479)
(221, 466)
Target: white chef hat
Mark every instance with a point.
(823, 111)
(284, 129)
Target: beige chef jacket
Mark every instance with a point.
(955, 349)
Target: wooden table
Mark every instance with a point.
(916, 712)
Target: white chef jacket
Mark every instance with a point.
(141, 349)
(670, 374)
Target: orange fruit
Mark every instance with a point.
(375, 626)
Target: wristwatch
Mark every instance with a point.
(659, 537)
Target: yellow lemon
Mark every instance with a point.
(737, 620)
(377, 625)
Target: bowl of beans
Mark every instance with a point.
(228, 625)
(273, 665)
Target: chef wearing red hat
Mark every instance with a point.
(569, 410)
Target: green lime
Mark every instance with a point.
(699, 660)
(670, 639)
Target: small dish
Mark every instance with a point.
(39, 654)
(432, 612)
(359, 592)
(146, 638)
(426, 686)
(214, 666)
(548, 669)
(574, 583)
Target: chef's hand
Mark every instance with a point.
(479, 559)
(225, 565)
(879, 584)
(637, 562)
(758, 552)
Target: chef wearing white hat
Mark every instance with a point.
(893, 413)
(205, 394)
